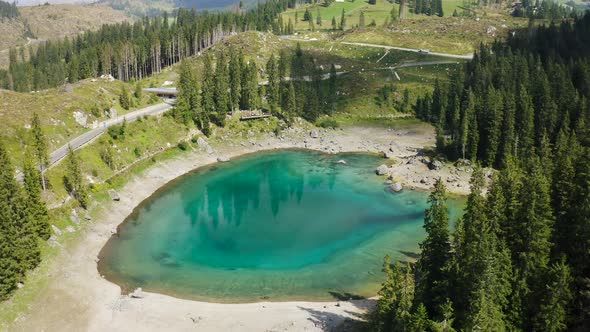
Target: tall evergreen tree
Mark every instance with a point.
(40, 147)
(432, 286)
(36, 209)
(74, 180)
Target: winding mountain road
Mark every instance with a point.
(446, 55)
(387, 47)
(89, 136)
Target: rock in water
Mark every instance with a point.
(314, 134)
(396, 187)
(341, 162)
(435, 165)
(114, 195)
(382, 170)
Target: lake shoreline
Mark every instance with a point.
(78, 298)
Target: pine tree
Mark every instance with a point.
(552, 316)
(393, 312)
(208, 87)
(362, 20)
(290, 106)
(273, 84)
(19, 250)
(40, 148)
(10, 270)
(221, 91)
(187, 105)
(74, 180)
(333, 93)
(124, 98)
(235, 77)
(36, 209)
(138, 93)
(432, 288)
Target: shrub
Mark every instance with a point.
(328, 123)
(183, 145)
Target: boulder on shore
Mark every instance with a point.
(435, 165)
(314, 134)
(382, 170)
(396, 187)
(114, 195)
(137, 294)
(222, 159)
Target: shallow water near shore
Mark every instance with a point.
(277, 226)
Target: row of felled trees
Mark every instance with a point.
(133, 51)
(296, 86)
(519, 258)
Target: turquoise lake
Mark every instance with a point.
(277, 226)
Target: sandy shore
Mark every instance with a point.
(77, 298)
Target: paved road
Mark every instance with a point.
(89, 136)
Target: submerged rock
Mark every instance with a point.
(382, 170)
(341, 162)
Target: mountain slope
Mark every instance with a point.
(52, 22)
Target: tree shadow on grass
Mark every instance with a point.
(342, 320)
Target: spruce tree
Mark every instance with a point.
(74, 180)
(273, 84)
(19, 251)
(187, 105)
(552, 315)
(40, 147)
(221, 91)
(432, 288)
(36, 209)
(393, 312)
(235, 76)
(124, 98)
(208, 87)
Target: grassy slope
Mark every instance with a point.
(53, 22)
(379, 12)
(457, 35)
(55, 108)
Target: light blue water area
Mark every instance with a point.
(279, 226)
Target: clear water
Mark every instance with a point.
(287, 225)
